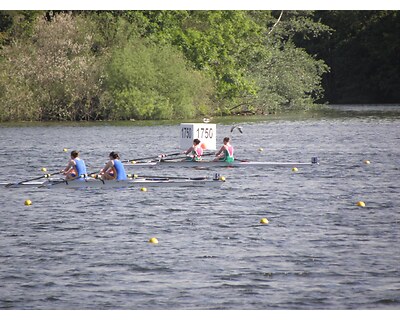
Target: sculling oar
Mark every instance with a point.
(47, 175)
(176, 178)
(162, 156)
(153, 157)
(75, 178)
(210, 153)
(184, 155)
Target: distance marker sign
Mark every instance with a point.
(205, 132)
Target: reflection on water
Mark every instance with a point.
(366, 107)
(318, 112)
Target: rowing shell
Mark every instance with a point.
(129, 183)
(236, 163)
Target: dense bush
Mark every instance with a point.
(151, 82)
(53, 75)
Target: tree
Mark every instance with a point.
(362, 52)
(215, 42)
(286, 76)
(55, 71)
(146, 81)
(16, 24)
(87, 65)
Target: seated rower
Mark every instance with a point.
(76, 168)
(114, 169)
(226, 152)
(195, 152)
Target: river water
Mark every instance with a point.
(89, 249)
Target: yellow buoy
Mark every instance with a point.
(65, 149)
(153, 240)
(260, 149)
(44, 169)
(143, 189)
(222, 178)
(295, 169)
(367, 162)
(133, 161)
(361, 203)
(28, 202)
(264, 221)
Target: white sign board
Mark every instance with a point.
(205, 132)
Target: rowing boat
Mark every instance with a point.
(236, 163)
(129, 183)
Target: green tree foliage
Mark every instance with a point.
(53, 75)
(114, 28)
(156, 64)
(151, 82)
(215, 42)
(16, 24)
(242, 57)
(286, 76)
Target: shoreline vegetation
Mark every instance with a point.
(320, 112)
(107, 66)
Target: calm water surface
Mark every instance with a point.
(88, 249)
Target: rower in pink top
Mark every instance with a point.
(195, 152)
(226, 152)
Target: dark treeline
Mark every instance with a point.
(118, 65)
(363, 54)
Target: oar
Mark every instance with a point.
(153, 157)
(210, 153)
(177, 178)
(47, 175)
(77, 177)
(184, 155)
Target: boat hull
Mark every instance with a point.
(219, 164)
(129, 183)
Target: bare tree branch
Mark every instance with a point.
(277, 21)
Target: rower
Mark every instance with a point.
(114, 169)
(76, 168)
(195, 152)
(226, 152)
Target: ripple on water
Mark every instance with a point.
(89, 249)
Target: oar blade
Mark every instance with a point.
(9, 185)
(47, 175)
